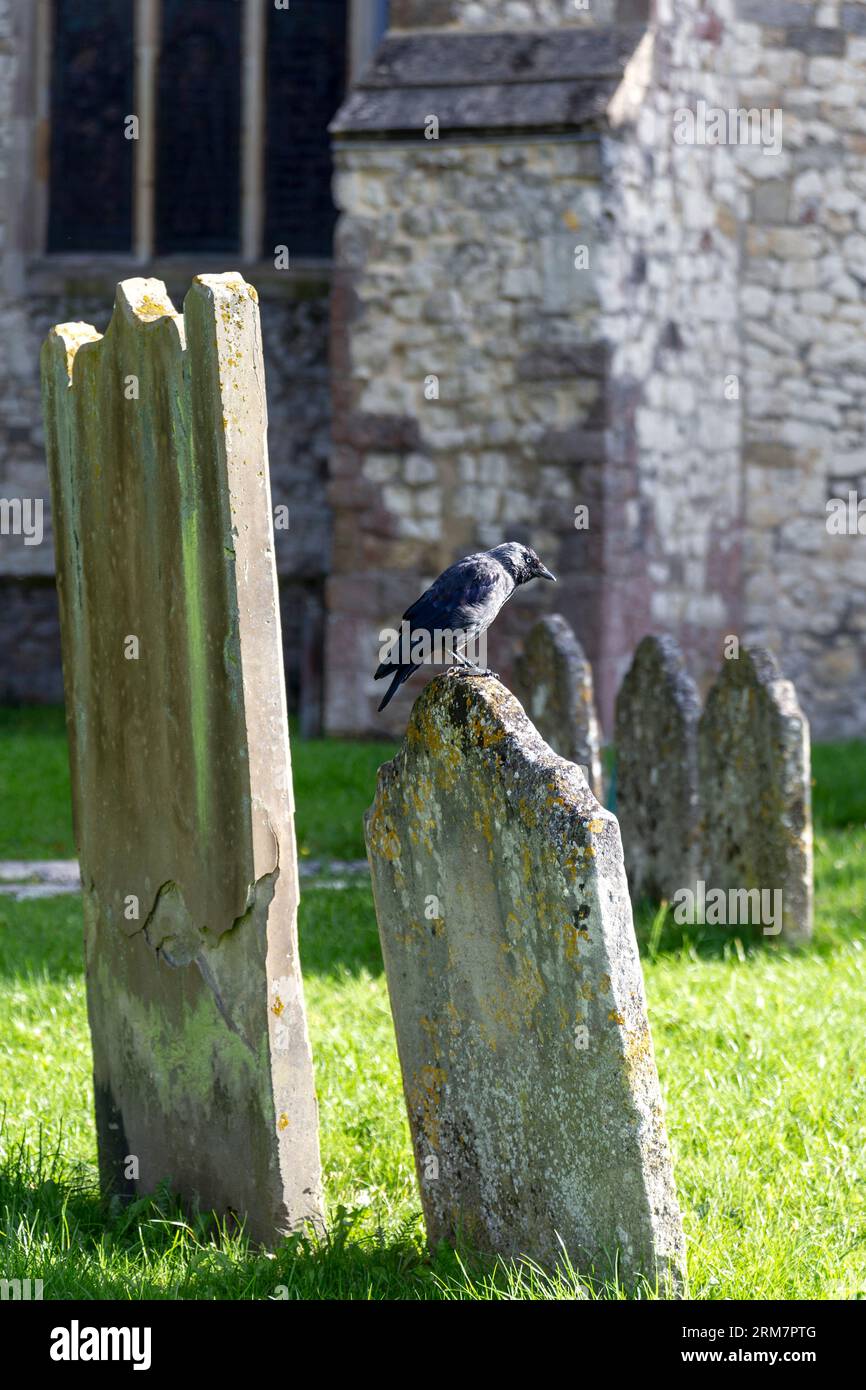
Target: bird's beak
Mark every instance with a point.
(544, 573)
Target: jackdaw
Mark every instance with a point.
(464, 600)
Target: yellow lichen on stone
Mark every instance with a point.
(511, 1006)
(527, 812)
(431, 1028)
(483, 821)
(424, 1095)
(638, 1051)
(383, 838)
(484, 733)
(571, 944)
(150, 308)
(73, 336)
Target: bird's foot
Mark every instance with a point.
(468, 670)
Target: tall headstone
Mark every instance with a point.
(655, 733)
(156, 438)
(553, 681)
(756, 792)
(517, 994)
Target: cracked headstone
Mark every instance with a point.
(182, 792)
(553, 681)
(655, 734)
(756, 795)
(517, 994)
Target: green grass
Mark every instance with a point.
(334, 782)
(759, 1052)
(35, 812)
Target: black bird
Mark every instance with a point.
(464, 600)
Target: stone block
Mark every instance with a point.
(517, 994)
(755, 790)
(181, 775)
(655, 732)
(553, 681)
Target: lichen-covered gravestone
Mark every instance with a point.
(517, 995)
(182, 794)
(655, 733)
(756, 793)
(553, 681)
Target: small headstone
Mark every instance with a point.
(517, 994)
(655, 733)
(553, 681)
(182, 791)
(756, 795)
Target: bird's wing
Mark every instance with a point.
(464, 597)
(463, 600)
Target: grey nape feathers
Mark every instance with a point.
(464, 600)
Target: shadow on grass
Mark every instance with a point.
(58, 1228)
(839, 813)
(339, 938)
(659, 935)
(55, 1227)
(338, 932)
(41, 938)
(840, 913)
(839, 785)
(338, 929)
(35, 804)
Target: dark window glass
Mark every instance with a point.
(90, 180)
(306, 75)
(198, 126)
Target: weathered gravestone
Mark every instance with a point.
(553, 681)
(756, 794)
(655, 733)
(156, 437)
(517, 994)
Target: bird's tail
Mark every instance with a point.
(401, 674)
